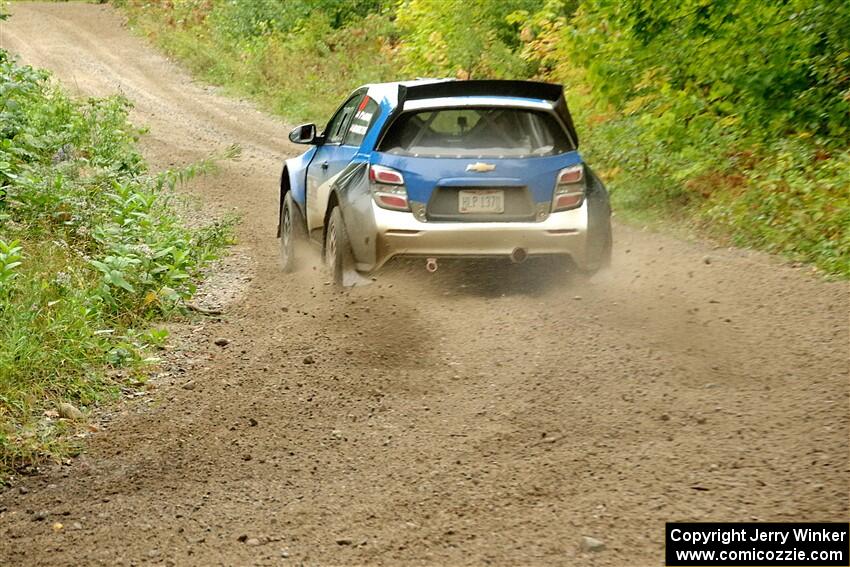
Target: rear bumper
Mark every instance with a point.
(400, 234)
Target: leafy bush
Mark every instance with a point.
(238, 20)
(90, 251)
(735, 114)
(462, 38)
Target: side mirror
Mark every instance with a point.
(304, 134)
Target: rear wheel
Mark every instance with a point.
(601, 257)
(608, 250)
(291, 233)
(338, 256)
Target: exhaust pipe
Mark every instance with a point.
(431, 265)
(519, 255)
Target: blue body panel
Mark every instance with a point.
(297, 168)
(328, 161)
(422, 174)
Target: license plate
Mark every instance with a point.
(481, 201)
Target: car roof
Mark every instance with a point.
(389, 91)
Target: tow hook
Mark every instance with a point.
(431, 265)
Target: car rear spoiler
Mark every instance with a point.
(520, 89)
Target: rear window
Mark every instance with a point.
(476, 132)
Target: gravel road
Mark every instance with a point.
(474, 416)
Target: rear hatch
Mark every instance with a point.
(478, 164)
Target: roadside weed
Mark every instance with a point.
(92, 253)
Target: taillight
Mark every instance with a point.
(571, 175)
(381, 174)
(569, 189)
(388, 188)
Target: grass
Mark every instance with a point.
(787, 197)
(302, 76)
(93, 257)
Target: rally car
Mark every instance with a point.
(443, 169)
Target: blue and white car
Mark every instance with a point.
(444, 169)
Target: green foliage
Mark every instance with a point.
(90, 250)
(770, 67)
(10, 258)
(239, 21)
(462, 38)
(733, 113)
(800, 212)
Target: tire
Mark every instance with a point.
(603, 257)
(292, 234)
(338, 256)
(600, 238)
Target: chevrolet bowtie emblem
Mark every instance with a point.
(480, 167)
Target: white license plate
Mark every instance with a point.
(481, 201)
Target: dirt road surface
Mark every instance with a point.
(469, 417)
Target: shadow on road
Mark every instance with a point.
(482, 278)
